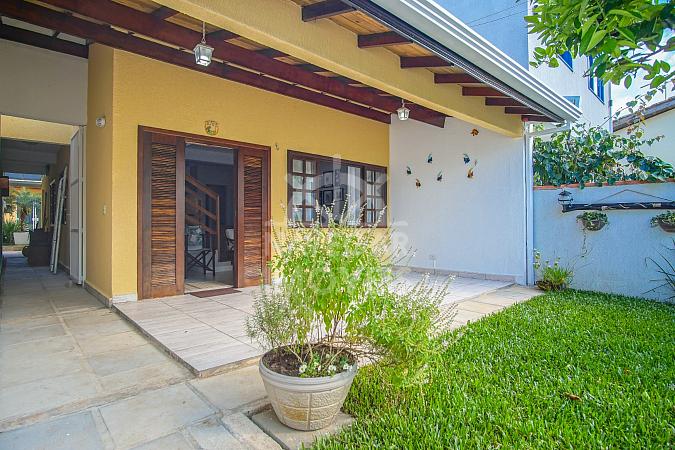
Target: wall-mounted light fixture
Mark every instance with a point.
(403, 112)
(100, 121)
(565, 198)
(202, 51)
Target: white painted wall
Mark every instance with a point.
(660, 125)
(41, 84)
(617, 255)
(469, 225)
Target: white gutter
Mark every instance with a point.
(433, 20)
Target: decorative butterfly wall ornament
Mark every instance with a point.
(417, 183)
(430, 158)
(474, 132)
(408, 170)
(470, 173)
(466, 158)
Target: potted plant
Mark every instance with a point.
(551, 276)
(334, 305)
(593, 220)
(666, 221)
(22, 202)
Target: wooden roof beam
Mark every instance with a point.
(164, 12)
(220, 36)
(43, 41)
(271, 53)
(523, 110)
(408, 62)
(502, 101)
(441, 78)
(535, 118)
(382, 39)
(324, 10)
(481, 92)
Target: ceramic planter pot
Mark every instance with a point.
(667, 227)
(21, 238)
(593, 225)
(306, 403)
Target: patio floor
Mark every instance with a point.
(208, 335)
(74, 374)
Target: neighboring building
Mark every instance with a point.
(501, 22)
(301, 102)
(656, 120)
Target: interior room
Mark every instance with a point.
(209, 217)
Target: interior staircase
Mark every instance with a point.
(202, 208)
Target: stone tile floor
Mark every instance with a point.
(208, 334)
(75, 375)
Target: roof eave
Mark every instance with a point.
(447, 36)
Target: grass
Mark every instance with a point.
(564, 370)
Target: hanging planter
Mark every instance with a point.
(666, 221)
(593, 220)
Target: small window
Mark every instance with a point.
(596, 85)
(567, 59)
(318, 180)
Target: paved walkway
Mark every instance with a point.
(208, 335)
(75, 375)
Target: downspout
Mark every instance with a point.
(528, 174)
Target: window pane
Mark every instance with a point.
(297, 165)
(310, 167)
(354, 179)
(370, 217)
(309, 214)
(370, 203)
(309, 198)
(297, 182)
(297, 214)
(370, 189)
(297, 198)
(309, 183)
(370, 176)
(379, 203)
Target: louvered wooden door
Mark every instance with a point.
(252, 216)
(161, 209)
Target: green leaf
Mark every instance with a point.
(595, 40)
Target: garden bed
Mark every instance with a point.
(564, 370)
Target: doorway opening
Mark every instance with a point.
(210, 205)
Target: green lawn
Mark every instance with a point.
(564, 370)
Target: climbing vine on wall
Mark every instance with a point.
(594, 155)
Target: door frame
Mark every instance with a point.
(262, 150)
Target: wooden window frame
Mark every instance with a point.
(294, 154)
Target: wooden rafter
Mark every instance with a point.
(220, 35)
(139, 22)
(42, 40)
(271, 53)
(408, 62)
(502, 101)
(325, 9)
(535, 118)
(164, 12)
(382, 39)
(103, 34)
(521, 110)
(481, 92)
(454, 78)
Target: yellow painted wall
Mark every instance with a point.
(35, 130)
(98, 157)
(155, 94)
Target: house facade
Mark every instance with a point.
(655, 120)
(502, 23)
(178, 168)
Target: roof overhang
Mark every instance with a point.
(430, 25)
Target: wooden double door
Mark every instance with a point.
(161, 211)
